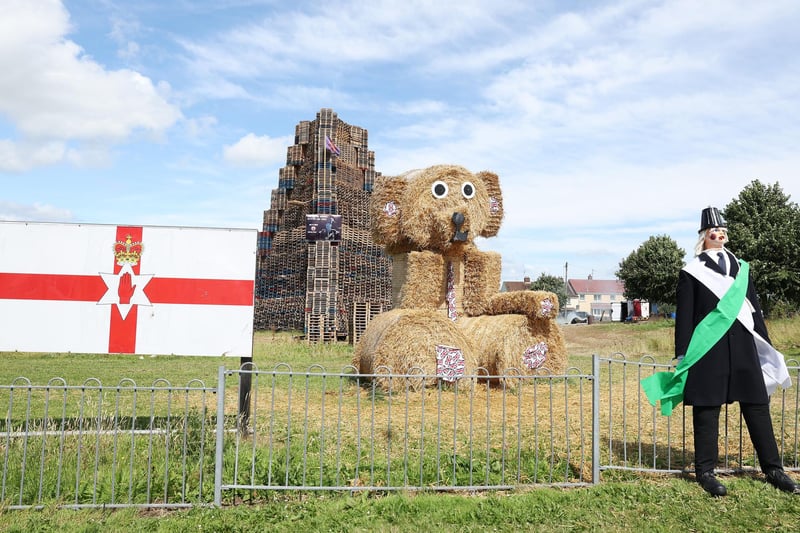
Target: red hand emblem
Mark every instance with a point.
(126, 289)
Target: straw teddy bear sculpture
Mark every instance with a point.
(449, 319)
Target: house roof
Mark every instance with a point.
(595, 286)
(509, 286)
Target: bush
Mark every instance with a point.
(783, 309)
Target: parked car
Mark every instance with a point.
(573, 317)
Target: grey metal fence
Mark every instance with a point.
(635, 436)
(320, 430)
(162, 445)
(93, 445)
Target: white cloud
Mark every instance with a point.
(256, 151)
(58, 93)
(371, 32)
(38, 212)
(20, 157)
(607, 121)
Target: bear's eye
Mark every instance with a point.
(439, 189)
(468, 190)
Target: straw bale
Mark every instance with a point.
(481, 279)
(538, 304)
(501, 341)
(495, 195)
(417, 220)
(385, 228)
(418, 275)
(403, 341)
(435, 272)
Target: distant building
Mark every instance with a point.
(509, 286)
(594, 296)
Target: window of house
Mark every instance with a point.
(582, 297)
(613, 297)
(598, 297)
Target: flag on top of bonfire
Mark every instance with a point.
(330, 146)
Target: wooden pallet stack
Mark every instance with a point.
(322, 292)
(313, 285)
(363, 312)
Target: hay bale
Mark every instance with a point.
(403, 341)
(439, 272)
(481, 279)
(502, 341)
(405, 216)
(418, 278)
(542, 305)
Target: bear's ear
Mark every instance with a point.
(494, 208)
(385, 211)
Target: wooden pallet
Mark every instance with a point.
(363, 313)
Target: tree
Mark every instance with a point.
(764, 229)
(651, 271)
(554, 284)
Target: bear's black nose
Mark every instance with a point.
(458, 220)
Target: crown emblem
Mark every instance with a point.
(128, 252)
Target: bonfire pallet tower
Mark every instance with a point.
(329, 289)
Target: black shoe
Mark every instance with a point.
(711, 485)
(778, 478)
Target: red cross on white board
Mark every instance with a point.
(125, 290)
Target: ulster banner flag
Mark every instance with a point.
(87, 288)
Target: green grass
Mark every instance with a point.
(622, 502)
(269, 350)
(651, 505)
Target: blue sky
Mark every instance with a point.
(607, 122)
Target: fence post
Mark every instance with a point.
(220, 436)
(245, 384)
(595, 419)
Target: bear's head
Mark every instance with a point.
(440, 209)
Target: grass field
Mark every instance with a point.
(622, 502)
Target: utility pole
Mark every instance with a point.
(566, 287)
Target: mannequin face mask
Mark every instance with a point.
(716, 237)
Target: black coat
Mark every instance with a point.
(730, 371)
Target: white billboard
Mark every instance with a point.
(89, 288)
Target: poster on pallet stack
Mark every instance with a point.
(91, 288)
(323, 227)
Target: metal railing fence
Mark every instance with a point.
(162, 445)
(635, 436)
(339, 431)
(95, 445)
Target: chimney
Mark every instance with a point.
(590, 277)
(526, 279)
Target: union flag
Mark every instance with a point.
(330, 146)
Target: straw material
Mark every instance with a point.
(501, 342)
(385, 213)
(495, 197)
(421, 278)
(536, 304)
(445, 290)
(481, 279)
(404, 341)
(416, 220)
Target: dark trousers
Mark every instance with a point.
(706, 436)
